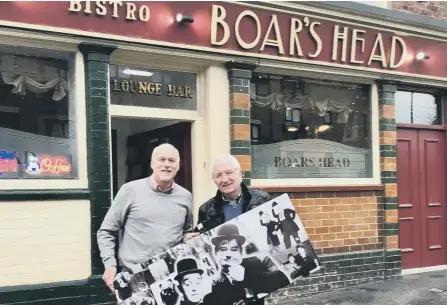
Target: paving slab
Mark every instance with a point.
(417, 289)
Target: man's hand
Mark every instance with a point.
(236, 272)
(109, 277)
(188, 236)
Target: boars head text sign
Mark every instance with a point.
(239, 29)
(310, 158)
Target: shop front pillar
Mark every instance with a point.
(388, 166)
(239, 75)
(96, 63)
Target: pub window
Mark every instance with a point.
(310, 128)
(418, 108)
(37, 123)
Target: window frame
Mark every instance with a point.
(76, 64)
(440, 98)
(375, 152)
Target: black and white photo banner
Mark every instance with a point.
(239, 261)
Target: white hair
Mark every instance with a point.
(226, 159)
(156, 150)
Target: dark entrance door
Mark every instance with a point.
(140, 147)
(421, 167)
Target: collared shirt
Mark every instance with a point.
(156, 186)
(232, 208)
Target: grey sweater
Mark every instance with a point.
(147, 221)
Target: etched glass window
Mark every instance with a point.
(310, 128)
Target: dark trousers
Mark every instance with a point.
(289, 230)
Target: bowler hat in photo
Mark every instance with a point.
(186, 266)
(228, 232)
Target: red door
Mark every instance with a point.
(421, 183)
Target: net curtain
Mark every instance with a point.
(322, 98)
(31, 74)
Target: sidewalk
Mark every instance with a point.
(409, 290)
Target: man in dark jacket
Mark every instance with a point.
(232, 199)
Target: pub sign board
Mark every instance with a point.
(310, 158)
(240, 261)
(239, 29)
(145, 87)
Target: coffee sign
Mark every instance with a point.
(309, 158)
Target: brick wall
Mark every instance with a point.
(239, 76)
(434, 9)
(340, 221)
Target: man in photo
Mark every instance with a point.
(272, 229)
(289, 228)
(190, 282)
(168, 294)
(232, 199)
(241, 279)
(305, 261)
(136, 224)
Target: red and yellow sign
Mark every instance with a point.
(55, 165)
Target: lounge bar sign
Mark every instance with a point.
(146, 87)
(239, 29)
(141, 87)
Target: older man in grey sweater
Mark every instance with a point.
(150, 215)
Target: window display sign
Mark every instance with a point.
(33, 165)
(46, 165)
(9, 166)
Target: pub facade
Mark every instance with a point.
(342, 109)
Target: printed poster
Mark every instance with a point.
(242, 260)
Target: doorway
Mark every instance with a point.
(133, 141)
(421, 182)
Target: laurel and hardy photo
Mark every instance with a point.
(244, 259)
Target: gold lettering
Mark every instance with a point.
(277, 42)
(179, 91)
(218, 15)
(403, 45)
(125, 86)
(115, 5)
(151, 88)
(355, 38)
(133, 86)
(144, 13)
(317, 39)
(171, 90)
(188, 92)
(380, 57)
(295, 27)
(242, 43)
(100, 8)
(75, 6)
(130, 7)
(344, 38)
(158, 89)
(142, 87)
(115, 86)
